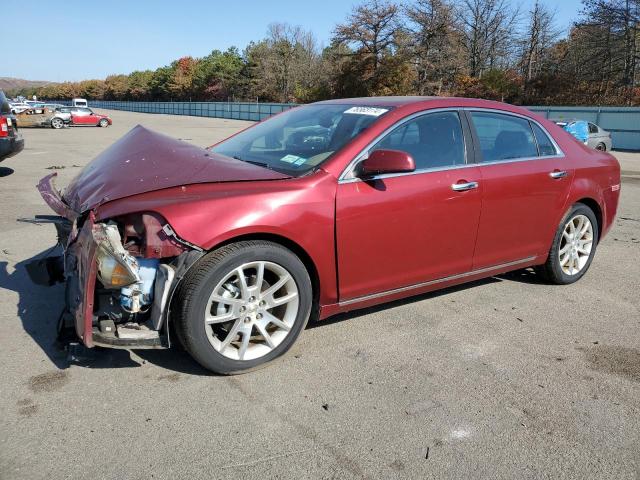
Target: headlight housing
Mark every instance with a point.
(116, 267)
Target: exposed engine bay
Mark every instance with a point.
(132, 264)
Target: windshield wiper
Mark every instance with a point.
(253, 162)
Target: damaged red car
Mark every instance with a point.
(322, 209)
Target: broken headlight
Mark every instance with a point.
(116, 267)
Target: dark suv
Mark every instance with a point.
(11, 141)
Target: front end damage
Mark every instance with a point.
(120, 274)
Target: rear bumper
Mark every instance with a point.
(10, 146)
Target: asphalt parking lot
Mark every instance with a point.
(502, 378)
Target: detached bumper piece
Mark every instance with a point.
(127, 336)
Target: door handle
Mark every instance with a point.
(557, 174)
(461, 187)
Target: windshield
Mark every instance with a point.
(300, 139)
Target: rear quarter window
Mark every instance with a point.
(545, 145)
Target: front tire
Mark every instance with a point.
(103, 123)
(601, 147)
(573, 248)
(243, 305)
(57, 123)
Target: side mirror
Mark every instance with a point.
(387, 161)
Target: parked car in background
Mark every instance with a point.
(61, 117)
(588, 133)
(53, 106)
(79, 102)
(322, 209)
(18, 107)
(35, 117)
(11, 141)
(34, 104)
(86, 116)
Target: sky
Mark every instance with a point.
(83, 39)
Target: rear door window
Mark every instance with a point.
(593, 128)
(503, 136)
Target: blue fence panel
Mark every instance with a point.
(622, 122)
(231, 110)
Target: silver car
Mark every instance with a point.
(61, 117)
(588, 133)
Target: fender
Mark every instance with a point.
(584, 188)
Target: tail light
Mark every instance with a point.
(4, 127)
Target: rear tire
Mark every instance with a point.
(231, 326)
(602, 147)
(573, 247)
(57, 123)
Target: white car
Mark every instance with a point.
(18, 107)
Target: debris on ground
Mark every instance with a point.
(56, 167)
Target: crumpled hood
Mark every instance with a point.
(144, 160)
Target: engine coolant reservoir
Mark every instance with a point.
(139, 295)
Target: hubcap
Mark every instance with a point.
(251, 310)
(576, 244)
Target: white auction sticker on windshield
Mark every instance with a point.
(296, 160)
(373, 111)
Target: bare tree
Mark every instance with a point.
(435, 44)
(538, 38)
(370, 29)
(285, 64)
(487, 28)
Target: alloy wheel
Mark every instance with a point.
(576, 244)
(251, 310)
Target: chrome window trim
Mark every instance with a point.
(513, 114)
(345, 176)
(458, 276)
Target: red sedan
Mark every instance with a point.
(86, 116)
(322, 209)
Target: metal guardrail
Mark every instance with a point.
(622, 122)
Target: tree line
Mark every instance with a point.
(475, 48)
